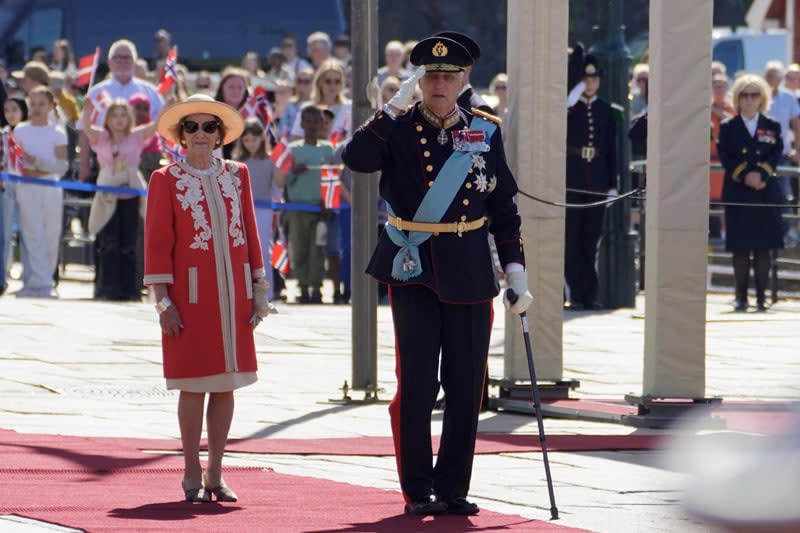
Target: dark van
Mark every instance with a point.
(209, 33)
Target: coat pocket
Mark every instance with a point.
(192, 285)
(248, 281)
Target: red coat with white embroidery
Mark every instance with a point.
(201, 239)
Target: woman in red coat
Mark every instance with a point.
(203, 262)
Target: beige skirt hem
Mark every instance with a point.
(225, 382)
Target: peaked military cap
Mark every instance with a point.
(590, 66)
(440, 54)
(464, 40)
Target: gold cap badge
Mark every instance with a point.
(590, 70)
(439, 49)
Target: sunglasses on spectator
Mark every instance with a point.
(500, 87)
(749, 95)
(303, 80)
(122, 58)
(332, 81)
(190, 126)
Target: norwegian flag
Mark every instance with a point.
(281, 155)
(168, 72)
(336, 137)
(87, 66)
(340, 127)
(16, 158)
(172, 151)
(280, 258)
(101, 102)
(257, 105)
(330, 187)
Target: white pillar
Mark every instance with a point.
(677, 198)
(535, 139)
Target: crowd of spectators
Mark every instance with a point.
(104, 135)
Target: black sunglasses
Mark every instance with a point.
(190, 126)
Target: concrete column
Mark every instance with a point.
(677, 198)
(535, 133)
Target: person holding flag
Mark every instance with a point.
(15, 111)
(121, 83)
(302, 184)
(169, 73)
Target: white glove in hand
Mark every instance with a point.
(403, 96)
(612, 193)
(518, 282)
(575, 93)
(261, 305)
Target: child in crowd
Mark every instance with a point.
(44, 150)
(251, 149)
(15, 110)
(334, 246)
(114, 218)
(303, 186)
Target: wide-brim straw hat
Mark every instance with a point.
(200, 104)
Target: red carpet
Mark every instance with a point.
(98, 485)
(370, 446)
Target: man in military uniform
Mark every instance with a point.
(446, 182)
(468, 98)
(591, 167)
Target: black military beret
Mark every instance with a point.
(590, 66)
(440, 54)
(464, 40)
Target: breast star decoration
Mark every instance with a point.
(480, 182)
(492, 183)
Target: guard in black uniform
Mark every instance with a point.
(591, 166)
(446, 182)
(468, 98)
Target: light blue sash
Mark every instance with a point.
(407, 263)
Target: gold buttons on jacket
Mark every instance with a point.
(465, 201)
(429, 168)
(426, 153)
(430, 183)
(423, 141)
(468, 185)
(419, 128)
(463, 218)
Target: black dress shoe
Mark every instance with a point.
(761, 307)
(574, 306)
(740, 307)
(426, 507)
(460, 506)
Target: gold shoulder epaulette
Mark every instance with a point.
(487, 116)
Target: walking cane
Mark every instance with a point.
(537, 402)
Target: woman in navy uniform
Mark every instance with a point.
(591, 166)
(446, 182)
(749, 148)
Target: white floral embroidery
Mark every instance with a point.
(480, 182)
(478, 162)
(231, 185)
(191, 200)
(492, 183)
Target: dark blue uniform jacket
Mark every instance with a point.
(751, 228)
(406, 151)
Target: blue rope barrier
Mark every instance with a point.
(91, 187)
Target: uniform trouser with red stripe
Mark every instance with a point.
(424, 326)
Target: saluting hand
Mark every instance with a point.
(402, 98)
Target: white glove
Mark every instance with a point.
(518, 282)
(262, 307)
(402, 98)
(612, 193)
(575, 93)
